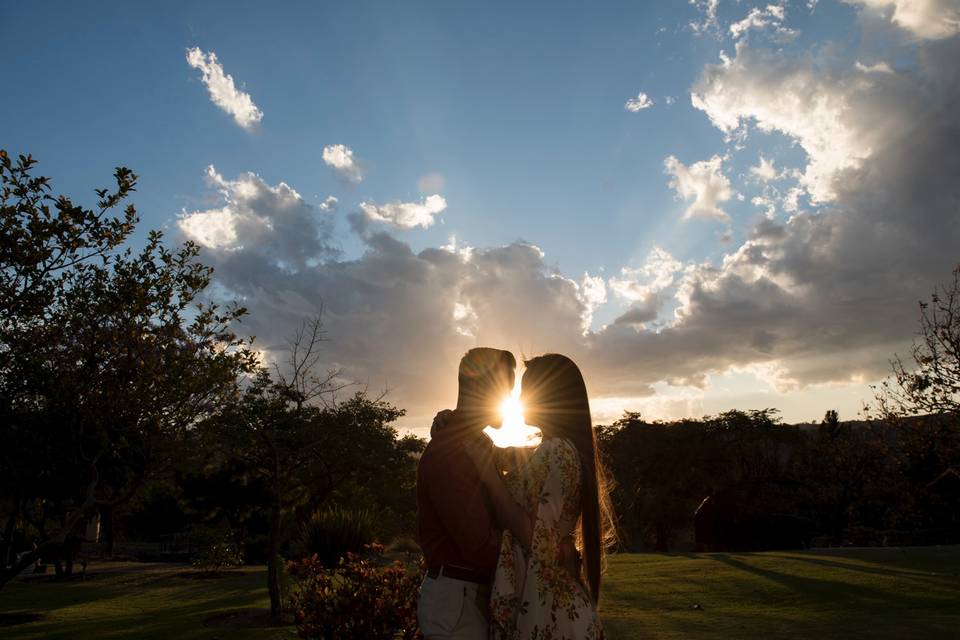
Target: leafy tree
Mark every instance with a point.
(289, 429)
(108, 356)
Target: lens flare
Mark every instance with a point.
(513, 432)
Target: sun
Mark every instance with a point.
(513, 432)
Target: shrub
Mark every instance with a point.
(214, 549)
(333, 532)
(357, 600)
(403, 544)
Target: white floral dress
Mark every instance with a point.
(534, 598)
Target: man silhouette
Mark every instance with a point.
(456, 527)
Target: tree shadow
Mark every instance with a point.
(876, 570)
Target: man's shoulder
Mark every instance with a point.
(444, 457)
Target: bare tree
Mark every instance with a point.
(932, 384)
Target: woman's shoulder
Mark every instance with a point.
(560, 449)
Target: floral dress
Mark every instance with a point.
(533, 597)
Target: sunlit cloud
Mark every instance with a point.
(341, 158)
(702, 184)
(223, 91)
(406, 215)
(639, 103)
(929, 19)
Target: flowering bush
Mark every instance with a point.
(361, 599)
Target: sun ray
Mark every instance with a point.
(513, 432)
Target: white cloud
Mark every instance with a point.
(645, 283)
(928, 19)
(831, 119)
(879, 67)
(593, 293)
(330, 204)
(406, 215)
(766, 18)
(764, 170)
(275, 219)
(641, 102)
(702, 182)
(765, 202)
(222, 90)
(341, 158)
(708, 11)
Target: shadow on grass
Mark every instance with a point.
(866, 566)
(147, 606)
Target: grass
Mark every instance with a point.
(867, 593)
(863, 593)
(148, 602)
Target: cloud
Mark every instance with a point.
(832, 120)
(825, 296)
(222, 90)
(927, 19)
(341, 158)
(703, 183)
(639, 284)
(395, 318)
(330, 204)
(879, 67)
(593, 293)
(641, 102)
(406, 215)
(769, 18)
(708, 19)
(273, 220)
(828, 295)
(764, 170)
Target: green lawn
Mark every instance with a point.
(153, 603)
(871, 593)
(866, 593)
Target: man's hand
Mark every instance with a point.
(569, 558)
(439, 421)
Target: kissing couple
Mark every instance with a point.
(513, 550)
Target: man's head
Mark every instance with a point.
(486, 377)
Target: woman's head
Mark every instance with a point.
(554, 397)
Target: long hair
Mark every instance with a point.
(560, 398)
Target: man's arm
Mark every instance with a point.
(458, 499)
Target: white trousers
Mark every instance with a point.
(451, 609)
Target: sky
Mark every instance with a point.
(708, 205)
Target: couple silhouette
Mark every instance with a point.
(513, 543)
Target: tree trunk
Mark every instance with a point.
(662, 542)
(276, 522)
(8, 532)
(273, 557)
(106, 529)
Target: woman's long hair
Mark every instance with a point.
(559, 398)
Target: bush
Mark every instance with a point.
(403, 544)
(214, 549)
(332, 533)
(357, 600)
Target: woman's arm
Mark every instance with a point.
(509, 514)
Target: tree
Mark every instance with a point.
(108, 356)
(933, 385)
(289, 428)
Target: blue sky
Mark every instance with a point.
(515, 115)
